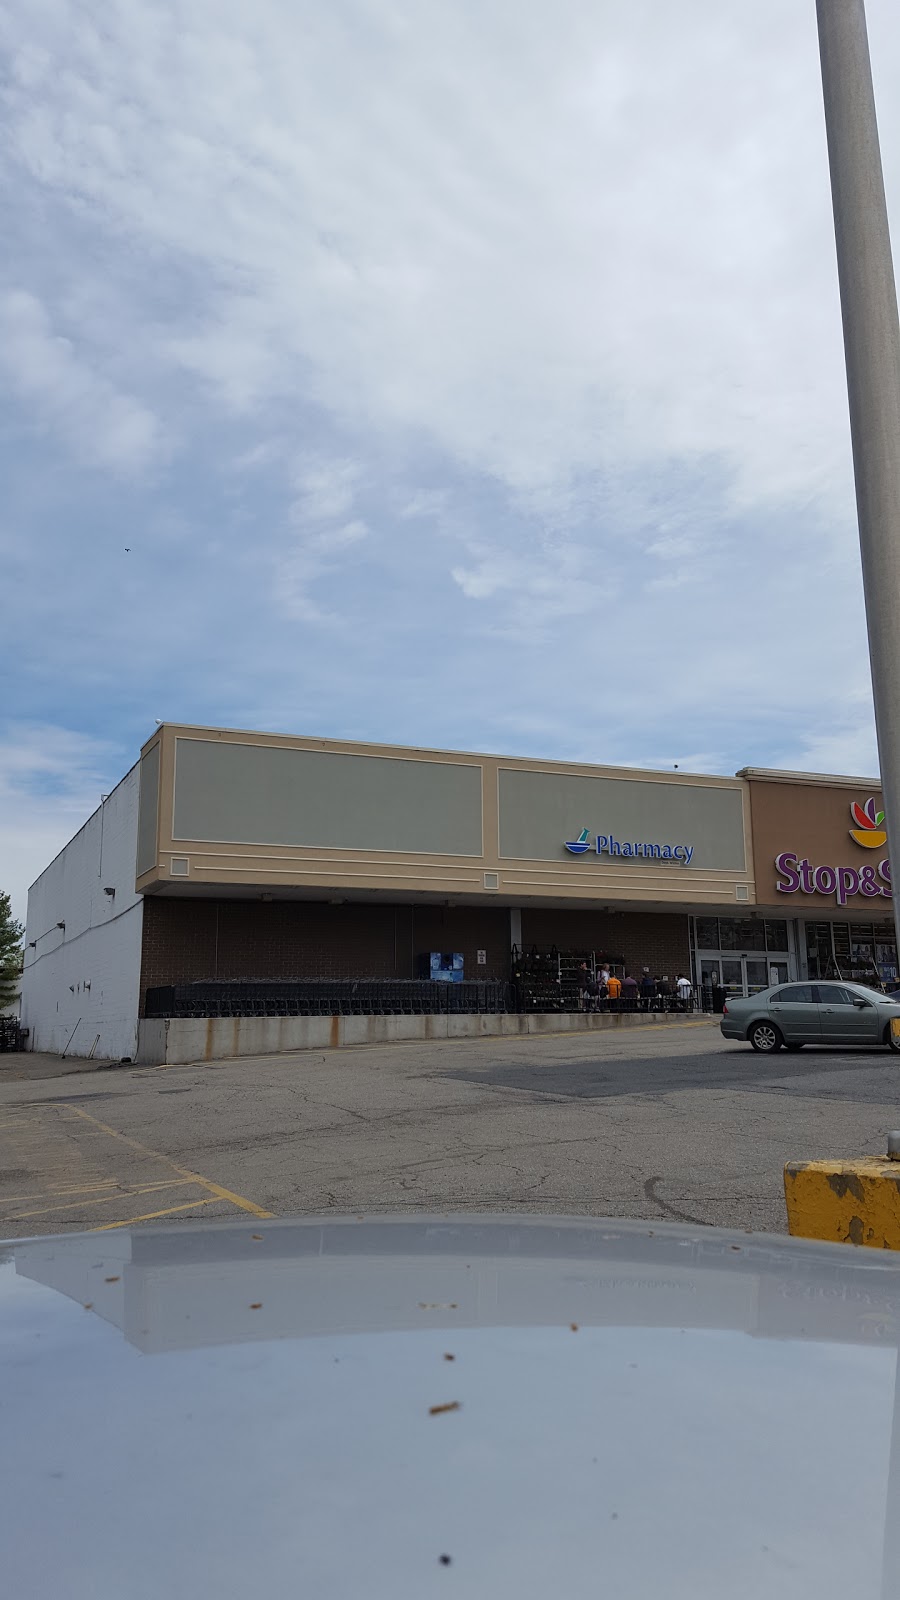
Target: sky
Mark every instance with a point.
(458, 373)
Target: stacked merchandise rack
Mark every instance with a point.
(570, 962)
(548, 980)
(535, 978)
(12, 1036)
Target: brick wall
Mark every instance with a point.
(658, 940)
(186, 940)
(465, 928)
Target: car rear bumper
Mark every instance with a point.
(732, 1029)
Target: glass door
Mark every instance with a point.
(756, 974)
(710, 972)
(743, 954)
(732, 971)
(741, 975)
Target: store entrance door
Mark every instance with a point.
(744, 954)
(740, 975)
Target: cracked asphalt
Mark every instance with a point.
(671, 1123)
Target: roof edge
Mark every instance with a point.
(841, 780)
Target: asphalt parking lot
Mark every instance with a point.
(670, 1123)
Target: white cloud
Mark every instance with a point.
(319, 534)
(484, 579)
(500, 346)
(545, 244)
(100, 424)
(849, 748)
(51, 779)
(324, 488)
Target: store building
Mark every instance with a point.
(227, 856)
(820, 853)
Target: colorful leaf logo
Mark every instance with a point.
(868, 831)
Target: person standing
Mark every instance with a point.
(587, 988)
(684, 989)
(629, 993)
(614, 990)
(648, 990)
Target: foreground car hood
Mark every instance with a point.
(271, 1410)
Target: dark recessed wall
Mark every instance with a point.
(658, 940)
(186, 940)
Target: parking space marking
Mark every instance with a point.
(192, 1205)
(56, 1192)
(99, 1200)
(216, 1189)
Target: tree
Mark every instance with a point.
(10, 953)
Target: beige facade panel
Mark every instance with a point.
(341, 872)
(291, 816)
(270, 795)
(539, 811)
(148, 810)
(679, 890)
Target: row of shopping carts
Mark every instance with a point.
(323, 997)
(540, 981)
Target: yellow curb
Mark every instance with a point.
(850, 1202)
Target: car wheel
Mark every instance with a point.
(764, 1036)
(793, 1046)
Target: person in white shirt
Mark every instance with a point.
(684, 990)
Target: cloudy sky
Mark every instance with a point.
(454, 372)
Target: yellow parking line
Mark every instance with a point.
(194, 1177)
(108, 1186)
(55, 1193)
(70, 1205)
(149, 1216)
(57, 1189)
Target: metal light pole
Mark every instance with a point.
(872, 350)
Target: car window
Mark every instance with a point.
(833, 995)
(796, 994)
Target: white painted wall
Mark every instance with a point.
(90, 970)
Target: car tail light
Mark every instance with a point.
(724, 1011)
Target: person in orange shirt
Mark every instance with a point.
(614, 990)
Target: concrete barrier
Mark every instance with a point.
(177, 1041)
(848, 1202)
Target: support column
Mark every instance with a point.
(872, 351)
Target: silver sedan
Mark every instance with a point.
(795, 1014)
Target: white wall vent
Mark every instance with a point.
(492, 880)
(179, 866)
(741, 891)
